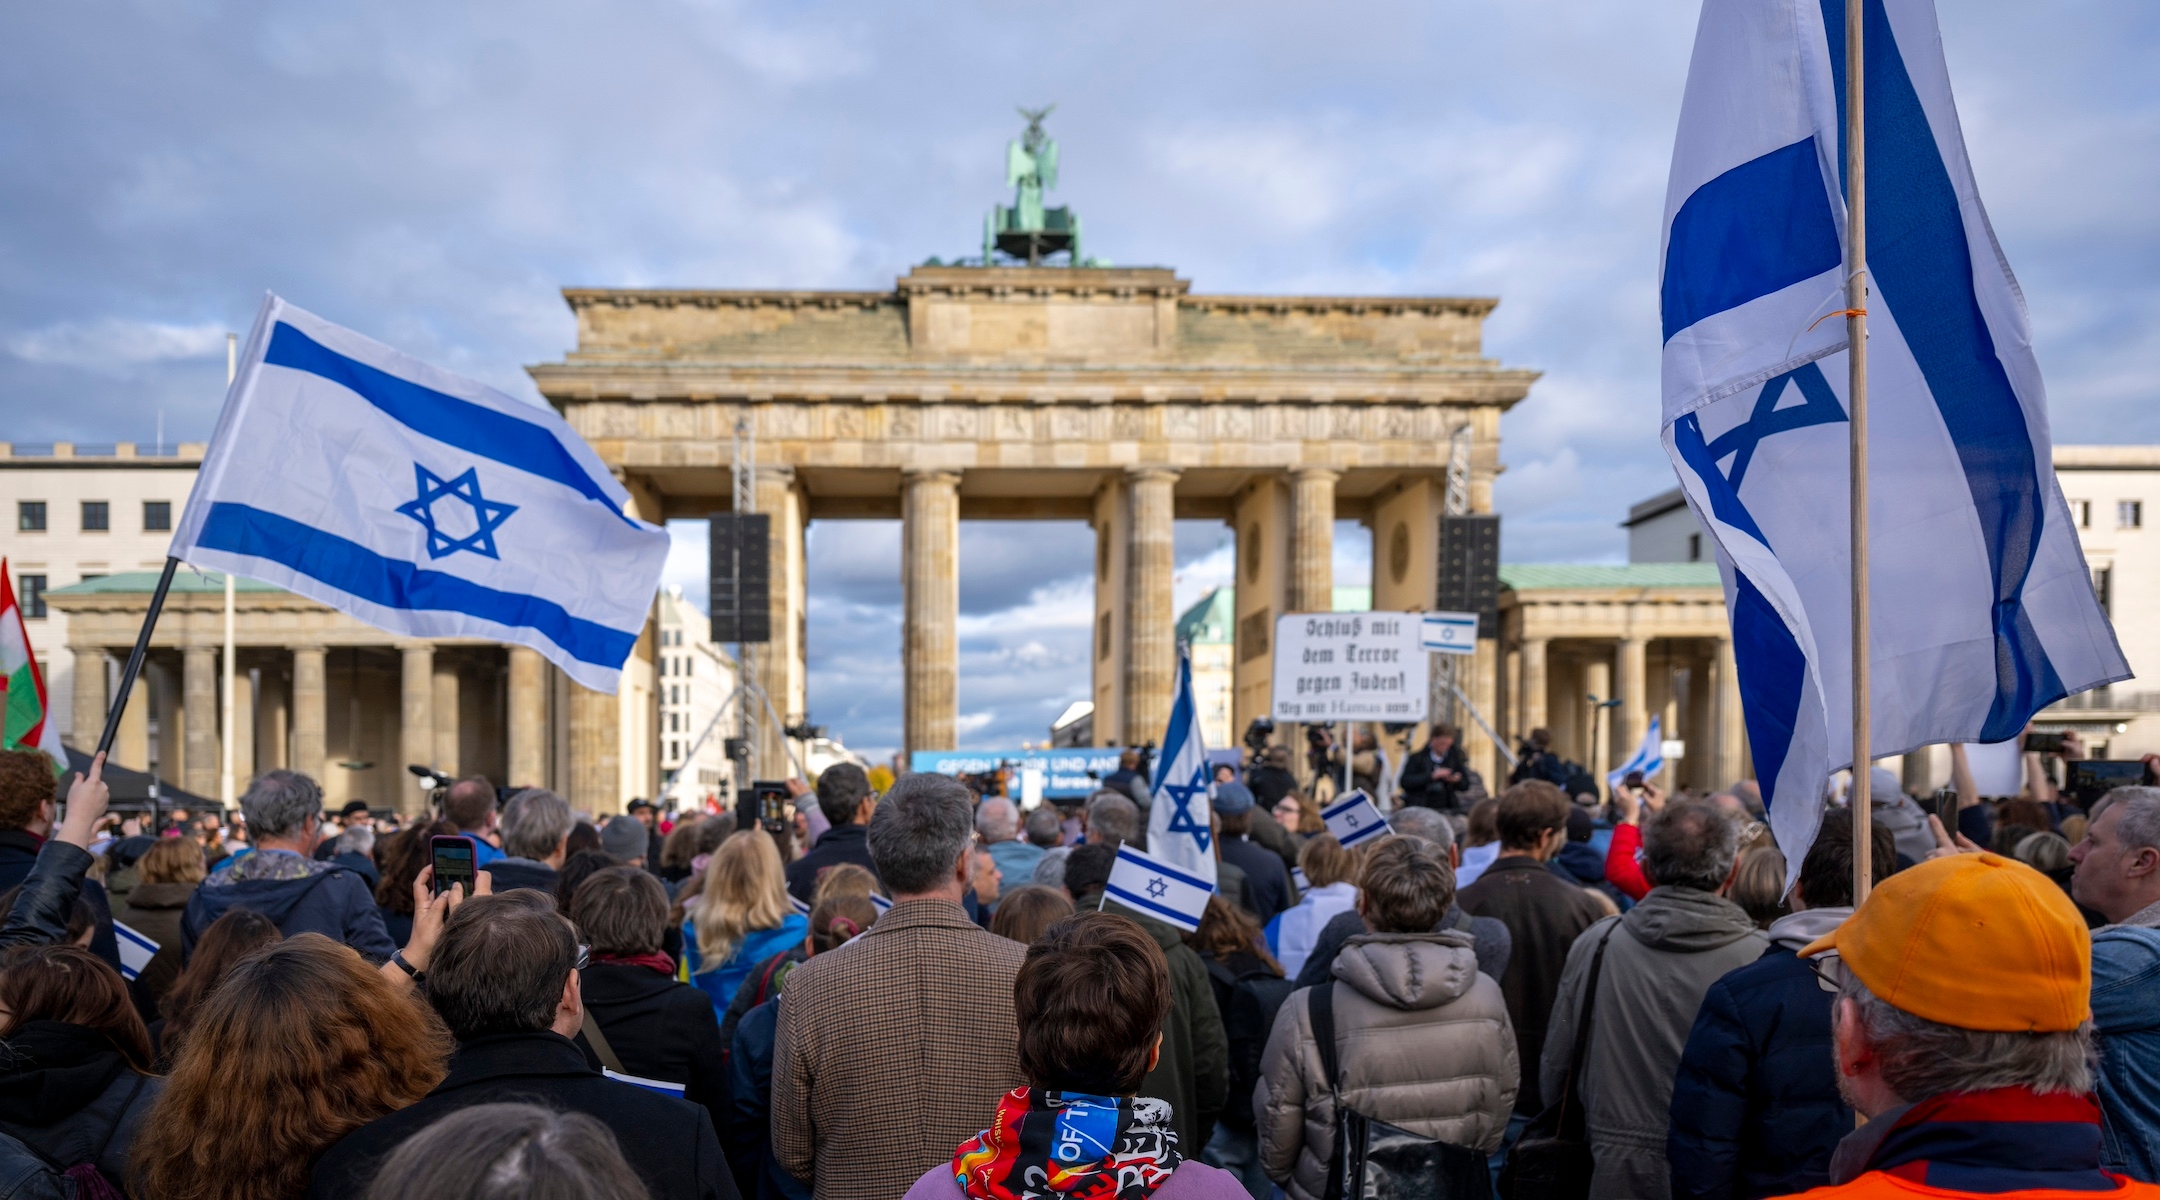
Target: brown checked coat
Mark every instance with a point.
(892, 1050)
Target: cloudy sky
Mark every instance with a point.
(431, 174)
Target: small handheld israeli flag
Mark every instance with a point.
(1983, 609)
(136, 950)
(1354, 819)
(1154, 887)
(661, 1086)
(1649, 758)
(420, 502)
(1181, 818)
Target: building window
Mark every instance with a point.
(2129, 514)
(96, 516)
(1694, 547)
(30, 516)
(2082, 510)
(157, 516)
(2104, 587)
(33, 595)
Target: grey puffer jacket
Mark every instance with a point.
(1424, 1043)
(1667, 952)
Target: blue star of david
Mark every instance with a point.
(1819, 406)
(1156, 888)
(1181, 797)
(488, 515)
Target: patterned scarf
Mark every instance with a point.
(1063, 1144)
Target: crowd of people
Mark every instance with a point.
(912, 990)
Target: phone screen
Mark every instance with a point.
(453, 863)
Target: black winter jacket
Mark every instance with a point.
(66, 1093)
(660, 1029)
(508, 873)
(19, 851)
(669, 1142)
(840, 844)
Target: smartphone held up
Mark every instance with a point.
(454, 860)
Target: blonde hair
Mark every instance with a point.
(744, 891)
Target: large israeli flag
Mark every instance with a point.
(1180, 819)
(418, 501)
(1983, 611)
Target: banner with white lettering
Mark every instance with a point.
(1360, 666)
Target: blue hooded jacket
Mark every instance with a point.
(720, 980)
(301, 895)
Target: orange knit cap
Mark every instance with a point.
(1975, 941)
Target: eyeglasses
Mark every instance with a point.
(1830, 971)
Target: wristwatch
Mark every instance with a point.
(398, 957)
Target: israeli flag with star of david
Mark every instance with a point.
(1182, 812)
(418, 501)
(1147, 884)
(1982, 608)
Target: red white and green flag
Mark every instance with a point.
(24, 715)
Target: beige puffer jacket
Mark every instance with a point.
(1424, 1043)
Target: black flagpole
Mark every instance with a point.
(135, 657)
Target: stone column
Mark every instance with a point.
(595, 750)
(1634, 698)
(1151, 659)
(1597, 680)
(131, 748)
(199, 691)
(310, 711)
(1731, 728)
(930, 591)
(1312, 539)
(528, 718)
(90, 701)
(445, 703)
(1533, 685)
(243, 732)
(416, 717)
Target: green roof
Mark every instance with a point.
(1525, 576)
(184, 580)
(1210, 620)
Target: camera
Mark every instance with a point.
(1258, 733)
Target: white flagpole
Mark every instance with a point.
(1856, 291)
(226, 790)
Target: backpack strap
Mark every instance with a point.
(1320, 1007)
(1583, 1022)
(599, 1043)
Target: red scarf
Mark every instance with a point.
(1058, 1145)
(654, 959)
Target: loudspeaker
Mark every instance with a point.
(741, 577)
(1470, 569)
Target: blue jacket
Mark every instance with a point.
(301, 895)
(720, 980)
(1755, 1106)
(2126, 1012)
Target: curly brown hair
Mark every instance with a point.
(26, 781)
(302, 1044)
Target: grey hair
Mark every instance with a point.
(1050, 868)
(1922, 1059)
(1113, 818)
(1428, 823)
(357, 840)
(1691, 844)
(534, 823)
(280, 804)
(500, 1151)
(1045, 827)
(921, 828)
(997, 820)
(2140, 824)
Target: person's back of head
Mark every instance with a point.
(1325, 862)
(281, 805)
(584, 837)
(841, 789)
(745, 890)
(1690, 844)
(301, 1044)
(509, 1152)
(1089, 1001)
(535, 824)
(501, 965)
(1025, 912)
(1087, 868)
(2046, 853)
(171, 860)
(1044, 828)
(469, 803)
(922, 827)
(1759, 885)
(1428, 823)
(1540, 740)
(359, 839)
(1528, 812)
(1826, 874)
(1227, 929)
(625, 838)
(997, 820)
(232, 937)
(1112, 818)
(621, 911)
(70, 984)
(844, 879)
(680, 845)
(1483, 823)
(1405, 887)
(837, 920)
(576, 869)
(26, 788)
(1580, 826)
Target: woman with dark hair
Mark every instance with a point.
(401, 857)
(576, 869)
(1089, 1002)
(301, 1044)
(75, 1076)
(509, 1152)
(229, 939)
(584, 835)
(1024, 913)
